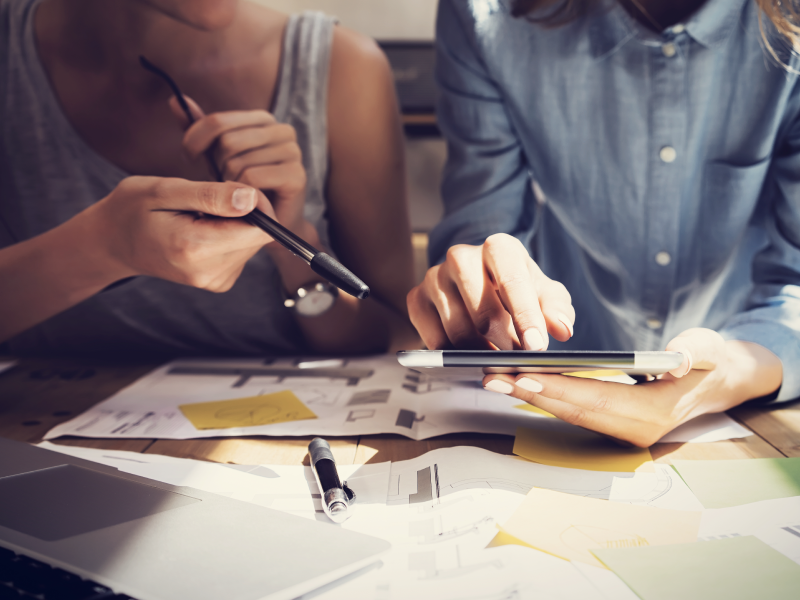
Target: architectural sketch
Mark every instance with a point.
(361, 413)
(352, 377)
(370, 397)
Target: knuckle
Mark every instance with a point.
(500, 242)
(488, 320)
(207, 198)
(527, 318)
(214, 121)
(560, 291)
(233, 168)
(602, 403)
(286, 131)
(575, 416)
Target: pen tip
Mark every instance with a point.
(339, 275)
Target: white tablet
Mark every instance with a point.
(556, 361)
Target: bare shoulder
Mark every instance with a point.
(360, 75)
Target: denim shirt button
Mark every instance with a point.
(668, 154)
(669, 50)
(663, 258)
(654, 323)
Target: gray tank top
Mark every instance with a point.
(48, 174)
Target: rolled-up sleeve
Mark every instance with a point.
(772, 315)
(486, 184)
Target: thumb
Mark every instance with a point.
(180, 112)
(226, 199)
(701, 349)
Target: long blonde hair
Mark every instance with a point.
(784, 15)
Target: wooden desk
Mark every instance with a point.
(37, 394)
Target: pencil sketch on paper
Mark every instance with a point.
(582, 538)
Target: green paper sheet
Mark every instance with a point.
(725, 483)
(739, 568)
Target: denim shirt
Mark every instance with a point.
(657, 176)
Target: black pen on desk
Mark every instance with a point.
(321, 263)
(336, 496)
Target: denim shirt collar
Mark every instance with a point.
(613, 27)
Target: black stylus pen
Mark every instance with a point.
(321, 263)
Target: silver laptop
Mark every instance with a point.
(154, 541)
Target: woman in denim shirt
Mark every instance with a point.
(634, 165)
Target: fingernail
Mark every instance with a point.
(689, 360)
(499, 386)
(530, 385)
(243, 199)
(565, 320)
(533, 340)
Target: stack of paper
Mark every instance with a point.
(339, 397)
(723, 483)
(740, 568)
(572, 527)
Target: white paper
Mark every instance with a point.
(438, 540)
(662, 489)
(712, 427)
(774, 522)
(349, 397)
(606, 582)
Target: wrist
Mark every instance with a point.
(87, 252)
(752, 370)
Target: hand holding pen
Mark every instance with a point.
(251, 147)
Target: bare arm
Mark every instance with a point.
(141, 228)
(369, 224)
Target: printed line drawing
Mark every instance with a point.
(424, 487)
(407, 418)
(432, 532)
(351, 376)
(426, 562)
(420, 383)
(263, 414)
(370, 397)
(321, 397)
(361, 413)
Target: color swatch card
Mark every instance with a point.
(564, 445)
(267, 409)
(737, 568)
(571, 527)
(726, 483)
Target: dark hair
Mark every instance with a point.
(784, 15)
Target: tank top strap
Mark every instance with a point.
(301, 100)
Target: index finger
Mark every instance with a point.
(506, 261)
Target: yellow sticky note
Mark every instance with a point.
(571, 526)
(266, 409)
(578, 448)
(534, 409)
(506, 539)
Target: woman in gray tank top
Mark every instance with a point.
(296, 107)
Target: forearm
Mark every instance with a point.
(50, 273)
